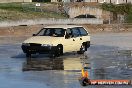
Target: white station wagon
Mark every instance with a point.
(57, 39)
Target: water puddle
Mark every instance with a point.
(112, 65)
(104, 65)
(46, 64)
(67, 63)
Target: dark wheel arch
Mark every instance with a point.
(84, 47)
(86, 44)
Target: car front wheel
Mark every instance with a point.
(60, 49)
(57, 52)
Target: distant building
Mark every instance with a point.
(91, 0)
(115, 1)
(98, 1)
(9, 1)
(54, 0)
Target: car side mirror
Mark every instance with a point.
(34, 34)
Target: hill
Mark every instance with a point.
(18, 11)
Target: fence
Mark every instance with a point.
(31, 7)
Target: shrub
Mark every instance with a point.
(124, 9)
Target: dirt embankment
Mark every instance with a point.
(24, 30)
(19, 30)
(114, 28)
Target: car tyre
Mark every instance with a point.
(52, 55)
(60, 50)
(57, 52)
(83, 48)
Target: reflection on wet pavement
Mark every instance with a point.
(73, 62)
(114, 64)
(47, 64)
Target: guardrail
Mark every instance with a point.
(52, 21)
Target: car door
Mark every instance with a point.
(76, 38)
(68, 43)
(71, 43)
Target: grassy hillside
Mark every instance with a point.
(18, 11)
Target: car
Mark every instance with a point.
(57, 39)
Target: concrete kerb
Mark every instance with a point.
(52, 21)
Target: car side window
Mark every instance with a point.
(48, 32)
(59, 32)
(75, 32)
(82, 31)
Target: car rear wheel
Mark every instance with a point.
(83, 48)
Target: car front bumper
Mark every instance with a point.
(38, 49)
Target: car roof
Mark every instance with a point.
(63, 26)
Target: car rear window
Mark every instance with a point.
(78, 31)
(82, 31)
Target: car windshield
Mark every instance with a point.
(55, 32)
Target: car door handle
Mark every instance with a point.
(73, 39)
(80, 38)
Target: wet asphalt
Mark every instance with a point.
(109, 57)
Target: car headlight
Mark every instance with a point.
(49, 45)
(26, 44)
